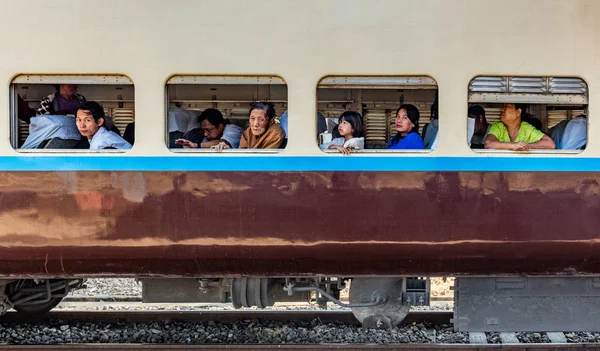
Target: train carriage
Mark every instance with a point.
(253, 227)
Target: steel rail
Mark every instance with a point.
(317, 347)
(327, 316)
(124, 298)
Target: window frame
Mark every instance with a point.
(49, 79)
(196, 79)
(377, 82)
(529, 90)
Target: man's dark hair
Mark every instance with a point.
(93, 108)
(213, 116)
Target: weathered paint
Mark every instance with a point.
(298, 223)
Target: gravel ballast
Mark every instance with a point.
(309, 331)
(110, 287)
(244, 332)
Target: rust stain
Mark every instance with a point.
(62, 265)
(449, 217)
(46, 264)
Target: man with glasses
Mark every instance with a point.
(215, 132)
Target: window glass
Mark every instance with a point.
(362, 114)
(225, 114)
(72, 112)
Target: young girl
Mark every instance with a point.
(350, 127)
(407, 125)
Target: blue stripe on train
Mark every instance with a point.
(294, 163)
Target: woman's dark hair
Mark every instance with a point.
(479, 111)
(527, 117)
(476, 111)
(413, 115)
(355, 120)
(213, 116)
(523, 108)
(265, 106)
(93, 108)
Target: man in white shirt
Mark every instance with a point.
(90, 120)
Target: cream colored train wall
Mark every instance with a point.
(302, 41)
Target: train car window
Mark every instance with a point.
(226, 114)
(377, 114)
(527, 114)
(81, 113)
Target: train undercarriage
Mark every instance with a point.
(529, 304)
(376, 302)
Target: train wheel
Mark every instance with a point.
(384, 316)
(34, 309)
(5, 303)
(36, 297)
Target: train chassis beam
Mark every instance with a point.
(241, 292)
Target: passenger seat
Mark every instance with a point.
(557, 132)
(430, 131)
(58, 143)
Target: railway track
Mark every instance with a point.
(118, 298)
(429, 347)
(304, 318)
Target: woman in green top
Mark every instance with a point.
(514, 134)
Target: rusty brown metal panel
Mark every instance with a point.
(298, 223)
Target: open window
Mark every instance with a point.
(556, 106)
(212, 113)
(44, 108)
(377, 100)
